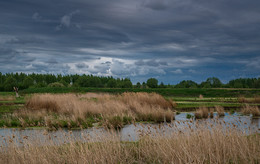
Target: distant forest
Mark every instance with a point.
(24, 81)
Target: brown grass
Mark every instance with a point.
(203, 145)
(202, 112)
(220, 110)
(7, 98)
(140, 106)
(254, 110)
(242, 99)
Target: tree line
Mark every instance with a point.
(24, 81)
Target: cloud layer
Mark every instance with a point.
(171, 40)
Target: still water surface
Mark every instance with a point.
(130, 132)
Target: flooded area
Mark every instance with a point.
(132, 132)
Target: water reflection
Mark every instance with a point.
(131, 132)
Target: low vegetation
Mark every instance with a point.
(254, 110)
(7, 98)
(203, 145)
(242, 99)
(220, 111)
(202, 112)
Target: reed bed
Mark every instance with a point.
(202, 112)
(254, 110)
(220, 110)
(105, 104)
(242, 99)
(197, 144)
(76, 110)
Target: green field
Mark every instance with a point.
(173, 92)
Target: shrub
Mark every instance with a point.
(56, 84)
(189, 116)
(220, 111)
(115, 122)
(15, 123)
(202, 112)
(254, 110)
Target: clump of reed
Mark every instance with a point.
(242, 99)
(254, 110)
(203, 145)
(220, 110)
(202, 112)
(139, 106)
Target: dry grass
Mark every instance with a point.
(254, 110)
(7, 98)
(201, 96)
(220, 111)
(202, 112)
(139, 106)
(202, 145)
(242, 99)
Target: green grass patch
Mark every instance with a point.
(196, 105)
(8, 108)
(176, 92)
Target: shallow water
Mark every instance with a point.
(131, 132)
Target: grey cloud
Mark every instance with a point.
(153, 63)
(36, 16)
(66, 20)
(155, 4)
(24, 40)
(177, 71)
(81, 65)
(52, 61)
(147, 35)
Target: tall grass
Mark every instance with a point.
(203, 145)
(138, 106)
(220, 111)
(202, 112)
(254, 110)
(242, 99)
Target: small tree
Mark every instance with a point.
(9, 83)
(111, 83)
(138, 85)
(27, 82)
(152, 83)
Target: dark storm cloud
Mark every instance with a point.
(137, 39)
(155, 4)
(81, 65)
(153, 63)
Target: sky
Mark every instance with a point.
(171, 40)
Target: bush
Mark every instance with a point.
(115, 122)
(189, 116)
(220, 111)
(56, 84)
(15, 123)
(202, 112)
